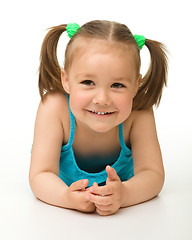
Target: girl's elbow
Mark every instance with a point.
(161, 182)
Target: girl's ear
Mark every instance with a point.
(65, 81)
(137, 84)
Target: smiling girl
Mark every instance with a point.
(95, 144)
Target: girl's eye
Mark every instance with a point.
(87, 82)
(117, 85)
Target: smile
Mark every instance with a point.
(101, 113)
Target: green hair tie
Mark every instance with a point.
(140, 39)
(72, 29)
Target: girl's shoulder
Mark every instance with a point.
(142, 116)
(56, 104)
(143, 127)
(136, 122)
(137, 113)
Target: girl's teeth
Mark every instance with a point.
(100, 113)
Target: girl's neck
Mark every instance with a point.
(87, 140)
(89, 133)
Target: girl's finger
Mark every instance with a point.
(79, 185)
(104, 208)
(103, 213)
(101, 200)
(112, 174)
(103, 190)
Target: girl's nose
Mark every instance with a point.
(102, 98)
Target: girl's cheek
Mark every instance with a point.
(125, 102)
(126, 107)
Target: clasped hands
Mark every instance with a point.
(106, 200)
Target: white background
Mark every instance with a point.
(22, 28)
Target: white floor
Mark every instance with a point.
(166, 217)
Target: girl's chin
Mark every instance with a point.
(100, 128)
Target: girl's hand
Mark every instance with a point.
(107, 199)
(76, 195)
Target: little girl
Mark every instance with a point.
(95, 143)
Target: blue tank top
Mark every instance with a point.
(70, 171)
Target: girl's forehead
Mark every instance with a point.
(101, 56)
(84, 48)
(102, 45)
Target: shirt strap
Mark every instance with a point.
(72, 124)
(121, 138)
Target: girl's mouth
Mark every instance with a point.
(100, 113)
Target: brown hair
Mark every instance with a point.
(150, 90)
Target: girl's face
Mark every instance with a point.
(102, 82)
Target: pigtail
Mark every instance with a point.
(150, 90)
(49, 69)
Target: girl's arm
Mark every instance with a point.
(148, 177)
(44, 169)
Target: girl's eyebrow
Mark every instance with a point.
(85, 75)
(89, 75)
(122, 79)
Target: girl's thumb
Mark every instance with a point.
(79, 185)
(112, 175)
